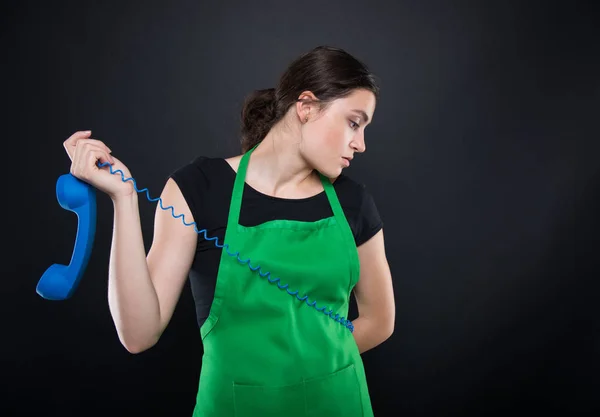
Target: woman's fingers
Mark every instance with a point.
(79, 138)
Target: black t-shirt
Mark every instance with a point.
(207, 184)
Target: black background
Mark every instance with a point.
(482, 159)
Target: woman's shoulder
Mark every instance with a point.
(349, 186)
(360, 208)
(200, 177)
(200, 166)
(233, 161)
(203, 175)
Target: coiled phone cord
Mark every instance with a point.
(342, 320)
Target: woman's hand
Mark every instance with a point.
(85, 153)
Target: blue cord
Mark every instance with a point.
(345, 322)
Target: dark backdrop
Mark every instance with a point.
(482, 158)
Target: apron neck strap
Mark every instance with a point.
(240, 180)
(336, 207)
(238, 188)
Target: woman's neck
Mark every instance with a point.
(278, 169)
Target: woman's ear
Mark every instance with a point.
(305, 106)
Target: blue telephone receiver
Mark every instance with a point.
(60, 281)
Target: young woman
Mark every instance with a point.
(276, 337)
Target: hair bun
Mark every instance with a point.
(258, 114)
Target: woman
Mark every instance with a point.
(276, 340)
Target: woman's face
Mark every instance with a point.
(333, 136)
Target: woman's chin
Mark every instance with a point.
(331, 172)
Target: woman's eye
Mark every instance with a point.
(354, 125)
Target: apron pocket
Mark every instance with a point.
(269, 401)
(336, 394)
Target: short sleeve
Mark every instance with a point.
(369, 221)
(191, 180)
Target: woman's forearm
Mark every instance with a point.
(132, 297)
(369, 333)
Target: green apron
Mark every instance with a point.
(268, 350)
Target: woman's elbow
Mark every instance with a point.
(387, 329)
(135, 346)
(387, 323)
(134, 349)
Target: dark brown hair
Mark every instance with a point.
(330, 73)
